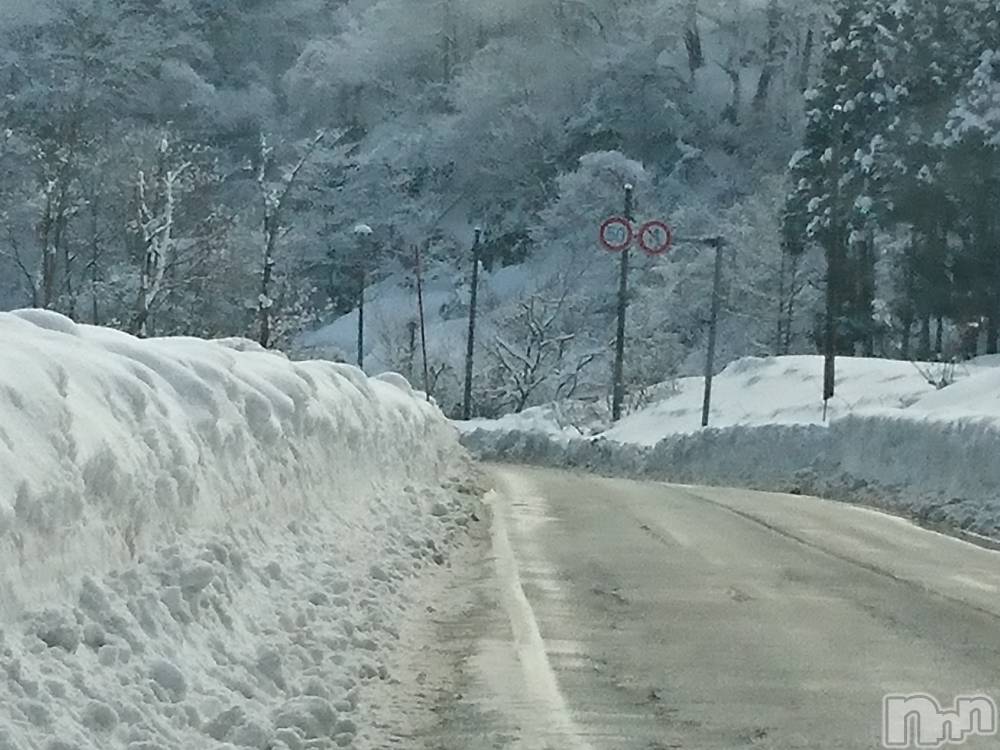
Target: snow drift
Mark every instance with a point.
(205, 544)
(895, 441)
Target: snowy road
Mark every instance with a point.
(616, 615)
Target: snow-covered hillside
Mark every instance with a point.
(391, 307)
(203, 544)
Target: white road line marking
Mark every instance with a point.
(539, 678)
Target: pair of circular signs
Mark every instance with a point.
(654, 237)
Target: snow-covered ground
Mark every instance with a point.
(770, 391)
(892, 438)
(204, 545)
(782, 390)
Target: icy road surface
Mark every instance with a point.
(615, 614)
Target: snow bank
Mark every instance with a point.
(204, 545)
(935, 473)
(565, 418)
(894, 441)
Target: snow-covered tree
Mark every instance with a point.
(525, 116)
(275, 192)
(837, 196)
(971, 140)
(157, 205)
(533, 354)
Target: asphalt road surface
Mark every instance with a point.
(614, 614)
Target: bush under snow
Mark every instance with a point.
(204, 545)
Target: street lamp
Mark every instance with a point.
(363, 232)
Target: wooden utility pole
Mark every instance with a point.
(618, 387)
(713, 329)
(423, 324)
(471, 341)
(361, 321)
(411, 350)
(363, 232)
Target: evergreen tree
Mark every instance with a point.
(971, 143)
(837, 197)
(939, 45)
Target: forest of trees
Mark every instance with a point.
(199, 166)
(897, 182)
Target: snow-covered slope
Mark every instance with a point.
(391, 305)
(975, 398)
(204, 543)
(778, 390)
(775, 391)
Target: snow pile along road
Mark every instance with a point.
(204, 545)
(894, 440)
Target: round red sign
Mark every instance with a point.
(617, 234)
(656, 238)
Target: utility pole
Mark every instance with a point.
(423, 324)
(713, 329)
(363, 232)
(361, 321)
(618, 388)
(471, 342)
(411, 350)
